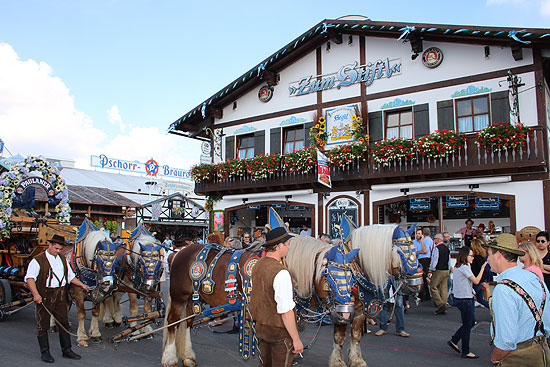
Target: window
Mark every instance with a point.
(472, 114)
(245, 148)
(294, 139)
(399, 124)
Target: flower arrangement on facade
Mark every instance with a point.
(359, 129)
(440, 143)
(499, 137)
(231, 168)
(318, 134)
(262, 166)
(9, 181)
(203, 172)
(300, 161)
(388, 150)
(210, 201)
(345, 154)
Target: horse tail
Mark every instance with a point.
(165, 331)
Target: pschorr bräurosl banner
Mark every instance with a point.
(151, 167)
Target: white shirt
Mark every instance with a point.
(56, 264)
(282, 284)
(305, 232)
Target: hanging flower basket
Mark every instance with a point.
(300, 161)
(203, 172)
(388, 150)
(231, 168)
(501, 136)
(440, 144)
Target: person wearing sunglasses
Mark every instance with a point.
(542, 247)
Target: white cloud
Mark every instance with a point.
(38, 116)
(113, 114)
(37, 112)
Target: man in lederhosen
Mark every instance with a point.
(47, 276)
(519, 309)
(272, 305)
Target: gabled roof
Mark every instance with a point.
(195, 121)
(178, 195)
(92, 195)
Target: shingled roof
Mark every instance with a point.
(92, 195)
(198, 118)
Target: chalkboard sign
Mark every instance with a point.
(297, 207)
(254, 207)
(420, 200)
(457, 204)
(454, 198)
(278, 206)
(335, 217)
(487, 200)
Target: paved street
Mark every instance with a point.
(426, 346)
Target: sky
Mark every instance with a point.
(90, 77)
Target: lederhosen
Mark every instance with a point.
(55, 299)
(274, 342)
(533, 352)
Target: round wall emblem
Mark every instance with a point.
(205, 147)
(151, 167)
(249, 265)
(265, 93)
(432, 57)
(197, 270)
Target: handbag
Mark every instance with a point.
(451, 299)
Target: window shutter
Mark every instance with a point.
(445, 115)
(500, 107)
(275, 140)
(307, 127)
(376, 128)
(421, 120)
(229, 148)
(259, 143)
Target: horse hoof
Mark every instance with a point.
(188, 362)
(95, 339)
(82, 344)
(109, 325)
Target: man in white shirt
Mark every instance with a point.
(305, 231)
(48, 275)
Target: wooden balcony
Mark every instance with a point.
(470, 162)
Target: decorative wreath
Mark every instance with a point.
(9, 181)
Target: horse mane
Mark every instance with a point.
(144, 240)
(375, 255)
(90, 244)
(214, 238)
(305, 258)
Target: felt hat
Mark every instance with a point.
(481, 225)
(276, 236)
(469, 220)
(58, 239)
(506, 242)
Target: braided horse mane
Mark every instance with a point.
(89, 245)
(305, 258)
(376, 254)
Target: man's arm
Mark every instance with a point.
(498, 354)
(290, 325)
(37, 298)
(435, 259)
(424, 249)
(78, 283)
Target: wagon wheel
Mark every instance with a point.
(5, 295)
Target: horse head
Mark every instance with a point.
(340, 279)
(149, 264)
(405, 261)
(106, 264)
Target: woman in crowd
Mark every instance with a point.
(468, 233)
(463, 279)
(531, 260)
(228, 242)
(480, 258)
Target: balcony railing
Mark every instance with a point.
(470, 161)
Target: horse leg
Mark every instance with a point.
(183, 339)
(95, 334)
(336, 358)
(132, 297)
(117, 310)
(147, 307)
(169, 350)
(82, 337)
(108, 307)
(356, 331)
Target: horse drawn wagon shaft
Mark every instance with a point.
(28, 238)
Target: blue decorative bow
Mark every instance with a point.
(405, 32)
(514, 35)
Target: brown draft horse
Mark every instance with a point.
(305, 260)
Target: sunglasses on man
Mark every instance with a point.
(541, 241)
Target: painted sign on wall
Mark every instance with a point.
(339, 124)
(347, 75)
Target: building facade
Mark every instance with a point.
(404, 81)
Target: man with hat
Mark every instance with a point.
(48, 275)
(520, 318)
(271, 304)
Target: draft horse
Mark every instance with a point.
(308, 261)
(141, 271)
(385, 250)
(96, 261)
